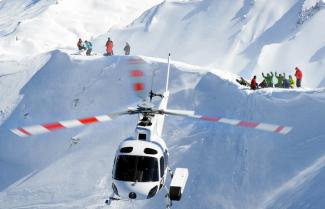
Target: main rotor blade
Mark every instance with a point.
(234, 122)
(49, 127)
(137, 74)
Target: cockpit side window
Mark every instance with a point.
(162, 166)
(150, 151)
(126, 149)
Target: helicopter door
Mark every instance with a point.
(162, 171)
(162, 166)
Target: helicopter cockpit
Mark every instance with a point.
(136, 168)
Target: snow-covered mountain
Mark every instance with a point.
(28, 27)
(231, 168)
(245, 37)
(241, 36)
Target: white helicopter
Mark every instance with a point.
(141, 162)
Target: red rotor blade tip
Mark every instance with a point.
(138, 86)
(136, 73)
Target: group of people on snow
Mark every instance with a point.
(87, 46)
(282, 81)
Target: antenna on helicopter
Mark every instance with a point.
(151, 93)
(168, 70)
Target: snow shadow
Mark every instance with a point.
(201, 7)
(319, 55)
(247, 6)
(277, 33)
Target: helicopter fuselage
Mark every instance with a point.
(140, 168)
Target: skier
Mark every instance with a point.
(109, 47)
(127, 48)
(80, 45)
(253, 83)
(89, 47)
(243, 82)
(263, 84)
(269, 79)
(292, 82)
(298, 75)
(280, 81)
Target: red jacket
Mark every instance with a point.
(253, 83)
(298, 74)
(79, 44)
(109, 46)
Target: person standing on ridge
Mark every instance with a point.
(109, 47)
(89, 47)
(254, 83)
(298, 75)
(127, 48)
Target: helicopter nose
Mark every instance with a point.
(132, 195)
(135, 191)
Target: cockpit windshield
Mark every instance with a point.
(136, 168)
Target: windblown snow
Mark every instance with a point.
(212, 43)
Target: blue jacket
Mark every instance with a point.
(286, 83)
(88, 45)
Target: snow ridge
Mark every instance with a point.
(309, 11)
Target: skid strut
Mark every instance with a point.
(110, 200)
(168, 201)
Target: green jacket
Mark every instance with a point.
(268, 79)
(280, 80)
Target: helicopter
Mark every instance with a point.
(141, 163)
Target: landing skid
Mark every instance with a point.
(109, 201)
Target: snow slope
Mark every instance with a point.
(229, 167)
